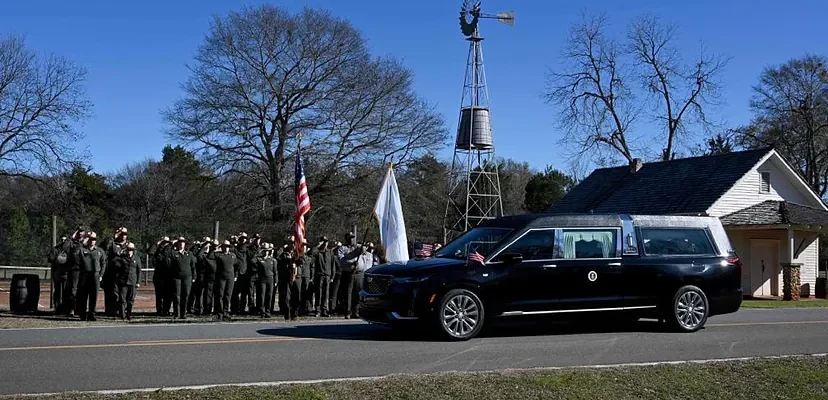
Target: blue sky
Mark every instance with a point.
(136, 52)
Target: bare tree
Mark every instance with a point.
(599, 104)
(264, 78)
(38, 101)
(681, 93)
(592, 90)
(790, 106)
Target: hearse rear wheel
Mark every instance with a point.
(461, 315)
(689, 309)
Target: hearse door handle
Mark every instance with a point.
(550, 266)
(615, 264)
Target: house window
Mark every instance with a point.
(764, 186)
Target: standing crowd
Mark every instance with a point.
(238, 276)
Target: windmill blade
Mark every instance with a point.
(507, 17)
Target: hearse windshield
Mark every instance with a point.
(481, 240)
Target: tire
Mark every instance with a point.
(455, 318)
(688, 309)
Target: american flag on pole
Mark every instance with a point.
(302, 204)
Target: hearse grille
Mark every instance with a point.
(377, 284)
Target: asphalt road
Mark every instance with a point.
(133, 357)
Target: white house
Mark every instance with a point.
(772, 216)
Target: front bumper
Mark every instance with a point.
(402, 302)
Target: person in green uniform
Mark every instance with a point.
(92, 262)
(303, 270)
(266, 273)
(323, 268)
(286, 268)
(227, 271)
(208, 275)
(181, 264)
(114, 246)
(127, 271)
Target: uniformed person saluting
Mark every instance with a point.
(324, 260)
(92, 262)
(266, 273)
(208, 275)
(127, 271)
(114, 247)
(303, 268)
(160, 277)
(286, 268)
(227, 270)
(182, 269)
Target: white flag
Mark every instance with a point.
(389, 215)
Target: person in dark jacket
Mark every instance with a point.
(70, 247)
(194, 303)
(92, 262)
(304, 272)
(208, 274)
(286, 267)
(160, 277)
(248, 293)
(324, 261)
(127, 271)
(182, 270)
(266, 273)
(59, 261)
(114, 246)
(228, 266)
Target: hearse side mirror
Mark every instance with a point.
(511, 258)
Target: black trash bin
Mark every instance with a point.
(821, 291)
(24, 293)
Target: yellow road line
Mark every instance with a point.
(156, 343)
(769, 323)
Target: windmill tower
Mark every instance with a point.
(474, 184)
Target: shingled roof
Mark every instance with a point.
(775, 212)
(683, 186)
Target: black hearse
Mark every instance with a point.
(678, 268)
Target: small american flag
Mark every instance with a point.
(424, 250)
(302, 204)
(476, 257)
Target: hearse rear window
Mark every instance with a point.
(589, 243)
(670, 241)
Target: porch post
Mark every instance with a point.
(790, 270)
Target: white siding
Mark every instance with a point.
(746, 192)
(740, 239)
(808, 272)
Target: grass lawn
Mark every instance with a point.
(802, 303)
(784, 378)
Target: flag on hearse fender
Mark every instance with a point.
(474, 256)
(389, 215)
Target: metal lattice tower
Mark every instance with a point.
(474, 183)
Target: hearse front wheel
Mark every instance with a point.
(461, 315)
(689, 309)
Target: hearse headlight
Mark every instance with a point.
(410, 279)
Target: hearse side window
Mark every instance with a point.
(535, 245)
(589, 243)
(672, 241)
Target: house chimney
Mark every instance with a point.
(635, 165)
